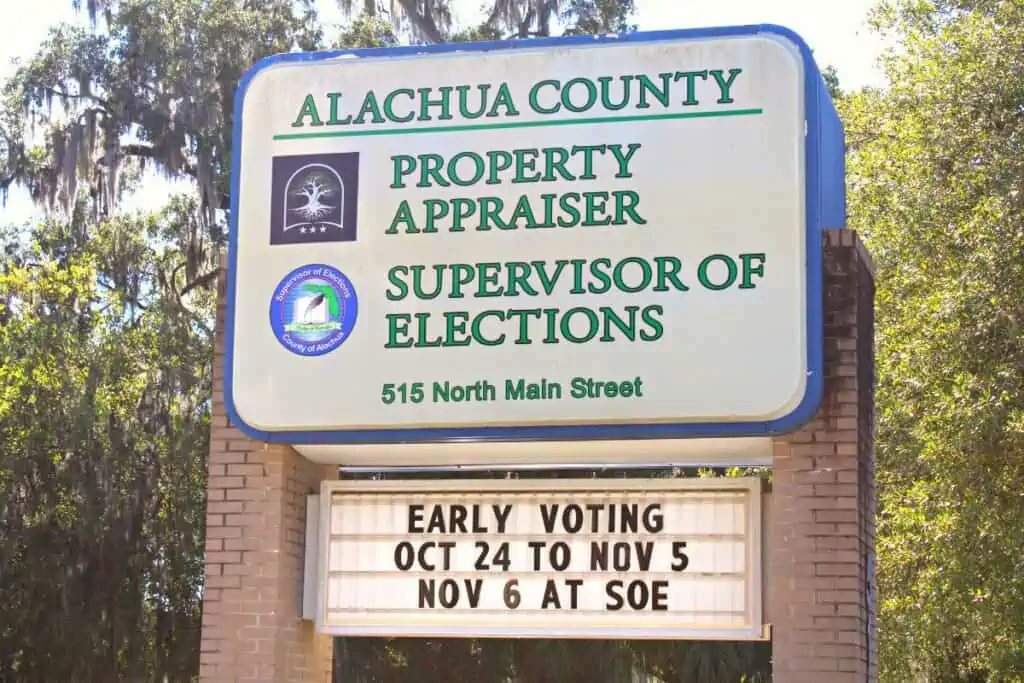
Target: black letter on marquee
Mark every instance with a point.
(572, 518)
(613, 594)
(560, 548)
(458, 520)
(548, 516)
(574, 585)
(659, 598)
(426, 593)
(415, 515)
(449, 593)
(536, 546)
(550, 595)
(404, 556)
(680, 561)
(473, 588)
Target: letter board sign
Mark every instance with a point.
(663, 558)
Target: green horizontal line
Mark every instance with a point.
(520, 124)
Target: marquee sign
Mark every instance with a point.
(585, 238)
(572, 558)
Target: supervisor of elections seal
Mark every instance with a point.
(313, 310)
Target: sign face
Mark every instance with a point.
(560, 239)
(572, 558)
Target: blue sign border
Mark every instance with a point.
(825, 206)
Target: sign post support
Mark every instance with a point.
(617, 250)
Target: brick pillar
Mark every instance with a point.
(255, 537)
(823, 497)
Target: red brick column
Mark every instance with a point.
(823, 534)
(255, 537)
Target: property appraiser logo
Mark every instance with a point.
(314, 198)
(313, 310)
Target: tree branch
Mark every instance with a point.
(544, 18)
(204, 279)
(494, 17)
(66, 95)
(132, 300)
(524, 25)
(151, 152)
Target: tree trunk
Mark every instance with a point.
(423, 21)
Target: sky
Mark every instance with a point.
(836, 31)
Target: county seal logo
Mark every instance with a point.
(313, 310)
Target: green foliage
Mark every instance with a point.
(430, 21)
(831, 78)
(936, 174)
(155, 87)
(367, 31)
(104, 428)
(598, 16)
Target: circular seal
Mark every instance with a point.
(313, 310)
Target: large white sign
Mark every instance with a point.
(580, 558)
(612, 238)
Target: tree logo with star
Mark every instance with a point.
(312, 197)
(315, 201)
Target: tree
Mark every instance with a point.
(831, 78)
(313, 191)
(106, 333)
(430, 21)
(104, 429)
(936, 177)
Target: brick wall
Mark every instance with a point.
(823, 496)
(255, 528)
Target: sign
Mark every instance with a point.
(573, 558)
(580, 238)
